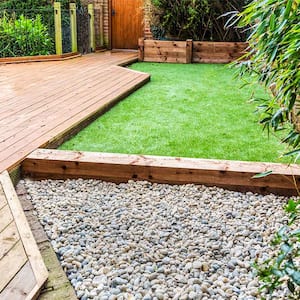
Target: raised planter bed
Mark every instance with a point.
(190, 51)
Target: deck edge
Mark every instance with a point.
(29, 244)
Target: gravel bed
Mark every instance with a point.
(156, 241)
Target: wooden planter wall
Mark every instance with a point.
(190, 51)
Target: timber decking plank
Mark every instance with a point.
(70, 77)
(24, 250)
(33, 113)
(3, 201)
(120, 87)
(11, 263)
(5, 217)
(21, 285)
(8, 238)
(41, 100)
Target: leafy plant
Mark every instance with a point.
(274, 60)
(34, 4)
(23, 36)
(196, 19)
(283, 268)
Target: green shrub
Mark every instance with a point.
(283, 269)
(195, 19)
(23, 36)
(27, 4)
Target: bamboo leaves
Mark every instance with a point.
(275, 58)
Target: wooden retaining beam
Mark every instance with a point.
(234, 175)
(190, 51)
(23, 272)
(39, 58)
(217, 52)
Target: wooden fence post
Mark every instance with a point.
(102, 24)
(141, 49)
(57, 24)
(73, 24)
(189, 51)
(92, 27)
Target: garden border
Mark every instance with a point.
(233, 175)
(39, 58)
(190, 51)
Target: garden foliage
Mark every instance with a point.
(283, 268)
(23, 36)
(34, 4)
(274, 60)
(194, 19)
(28, 27)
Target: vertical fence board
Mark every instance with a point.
(73, 22)
(58, 32)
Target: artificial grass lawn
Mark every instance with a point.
(187, 111)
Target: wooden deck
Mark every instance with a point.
(41, 103)
(23, 272)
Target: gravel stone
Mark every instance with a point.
(139, 240)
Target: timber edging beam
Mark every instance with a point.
(234, 175)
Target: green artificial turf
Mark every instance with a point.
(196, 110)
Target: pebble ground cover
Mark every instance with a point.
(139, 240)
(196, 110)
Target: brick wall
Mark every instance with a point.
(147, 12)
(101, 6)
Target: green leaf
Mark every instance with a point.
(296, 277)
(263, 174)
(288, 9)
(291, 206)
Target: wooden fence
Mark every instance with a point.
(190, 51)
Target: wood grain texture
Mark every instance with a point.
(235, 175)
(11, 264)
(3, 201)
(26, 248)
(8, 238)
(126, 23)
(218, 52)
(44, 103)
(5, 217)
(189, 51)
(21, 285)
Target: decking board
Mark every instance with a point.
(41, 102)
(18, 288)
(8, 238)
(23, 272)
(11, 264)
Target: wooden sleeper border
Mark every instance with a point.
(39, 58)
(233, 175)
(190, 51)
